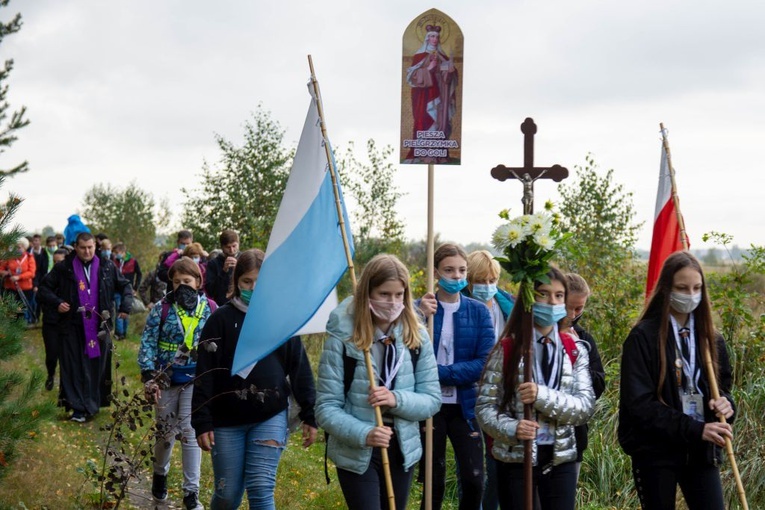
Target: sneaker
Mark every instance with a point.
(49, 383)
(191, 502)
(78, 416)
(159, 487)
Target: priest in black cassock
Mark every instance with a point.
(82, 288)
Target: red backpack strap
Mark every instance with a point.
(569, 345)
(507, 347)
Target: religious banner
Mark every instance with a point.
(431, 90)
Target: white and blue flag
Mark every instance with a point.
(305, 258)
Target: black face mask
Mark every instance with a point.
(576, 319)
(186, 297)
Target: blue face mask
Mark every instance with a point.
(547, 315)
(451, 286)
(107, 253)
(246, 295)
(484, 292)
(182, 246)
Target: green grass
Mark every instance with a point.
(49, 468)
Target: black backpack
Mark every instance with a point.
(349, 366)
(162, 269)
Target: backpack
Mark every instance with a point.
(349, 367)
(162, 269)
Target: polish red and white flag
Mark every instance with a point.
(666, 224)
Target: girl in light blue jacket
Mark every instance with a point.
(381, 318)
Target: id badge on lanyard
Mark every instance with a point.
(693, 405)
(546, 432)
(692, 400)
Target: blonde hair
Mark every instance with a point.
(481, 265)
(380, 269)
(577, 284)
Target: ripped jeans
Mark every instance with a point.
(246, 457)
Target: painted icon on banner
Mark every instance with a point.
(431, 90)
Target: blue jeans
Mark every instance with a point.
(120, 325)
(242, 459)
(33, 313)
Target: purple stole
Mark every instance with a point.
(87, 291)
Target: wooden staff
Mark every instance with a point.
(379, 419)
(728, 445)
(711, 376)
(527, 326)
(349, 259)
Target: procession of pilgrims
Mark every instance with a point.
(507, 382)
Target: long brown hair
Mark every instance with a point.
(513, 329)
(658, 308)
(380, 269)
(247, 261)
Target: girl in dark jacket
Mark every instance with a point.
(668, 420)
(243, 421)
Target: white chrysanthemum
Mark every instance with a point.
(499, 238)
(515, 235)
(540, 224)
(522, 224)
(544, 241)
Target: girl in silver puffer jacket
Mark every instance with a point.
(561, 394)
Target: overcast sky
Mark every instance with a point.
(122, 91)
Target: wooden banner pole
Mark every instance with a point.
(428, 486)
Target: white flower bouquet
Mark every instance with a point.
(528, 244)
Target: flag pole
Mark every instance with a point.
(675, 198)
(428, 486)
(713, 388)
(333, 174)
(349, 259)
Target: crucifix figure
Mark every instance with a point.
(528, 173)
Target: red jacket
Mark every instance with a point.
(24, 267)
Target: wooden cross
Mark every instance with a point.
(528, 173)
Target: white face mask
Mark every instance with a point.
(684, 303)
